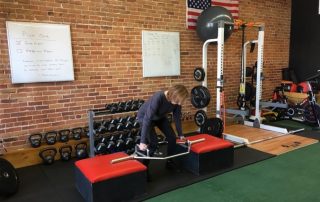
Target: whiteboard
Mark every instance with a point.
(39, 52)
(160, 53)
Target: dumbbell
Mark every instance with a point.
(51, 137)
(136, 124)
(35, 140)
(101, 147)
(110, 147)
(140, 103)
(113, 107)
(111, 128)
(120, 145)
(113, 137)
(128, 125)
(129, 145)
(121, 107)
(123, 135)
(77, 133)
(64, 135)
(134, 105)
(102, 128)
(122, 120)
(137, 139)
(47, 155)
(65, 152)
(130, 119)
(119, 127)
(113, 121)
(81, 150)
(128, 105)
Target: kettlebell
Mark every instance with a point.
(77, 133)
(81, 150)
(64, 135)
(51, 137)
(47, 155)
(35, 140)
(65, 152)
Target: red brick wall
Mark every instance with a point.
(106, 43)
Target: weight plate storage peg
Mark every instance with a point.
(199, 74)
(213, 126)
(200, 97)
(200, 117)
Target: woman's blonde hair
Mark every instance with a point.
(177, 93)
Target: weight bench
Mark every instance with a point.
(99, 180)
(212, 154)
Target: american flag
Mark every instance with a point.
(195, 7)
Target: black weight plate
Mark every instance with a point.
(249, 71)
(250, 91)
(200, 97)
(213, 126)
(200, 117)
(199, 74)
(9, 180)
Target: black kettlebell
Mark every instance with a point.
(77, 133)
(35, 140)
(65, 152)
(47, 155)
(64, 135)
(81, 150)
(51, 137)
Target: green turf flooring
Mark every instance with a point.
(294, 176)
(290, 125)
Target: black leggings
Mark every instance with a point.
(166, 128)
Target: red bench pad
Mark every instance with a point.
(99, 168)
(211, 143)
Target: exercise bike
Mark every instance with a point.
(307, 111)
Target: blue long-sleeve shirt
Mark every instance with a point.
(157, 107)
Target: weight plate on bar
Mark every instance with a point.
(200, 117)
(200, 97)
(213, 126)
(199, 74)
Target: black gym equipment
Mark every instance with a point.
(51, 137)
(9, 179)
(199, 74)
(200, 97)
(47, 155)
(64, 135)
(77, 133)
(200, 117)
(101, 147)
(140, 103)
(213, 126)
(138, 154)
(81, 150)
(65, 152)
(35, 140)
(207, 23)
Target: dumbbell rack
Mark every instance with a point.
(92, 114)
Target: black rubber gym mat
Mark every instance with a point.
(164, 180)
(56, 182)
